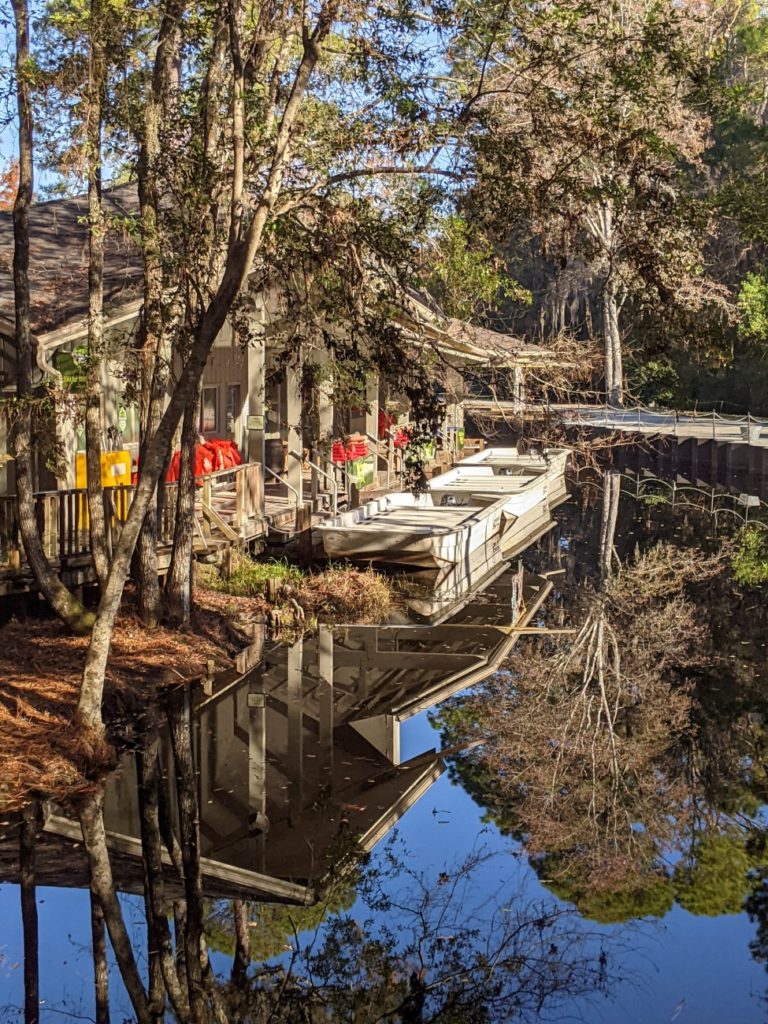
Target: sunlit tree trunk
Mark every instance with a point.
(178, 582)
(96, 75)
(614, 373)
(157, 348)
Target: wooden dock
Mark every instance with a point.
(738, 430)
(229, 512)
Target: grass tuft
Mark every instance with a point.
(346, 594)
(250, 578)
(341, 594)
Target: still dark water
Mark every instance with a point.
(548, 874)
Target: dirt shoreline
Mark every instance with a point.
(43, 756)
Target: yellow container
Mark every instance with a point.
(115, 469)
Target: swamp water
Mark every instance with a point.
(617, 878)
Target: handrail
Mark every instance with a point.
(626, 411)
(713, 504)
(385, 449)
(322, 472)
(285, 482)
(226, 471)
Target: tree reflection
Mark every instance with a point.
(417, 948)
(589, 746)
(27, 888)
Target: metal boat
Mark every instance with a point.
(409, 529)
(511, 462)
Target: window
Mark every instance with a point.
(234, 407)
(208, 411)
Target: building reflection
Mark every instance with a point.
(297, 752)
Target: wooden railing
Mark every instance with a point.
(234, 497)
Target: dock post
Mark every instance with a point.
(325, 706)
(295, 713)
(257, 767)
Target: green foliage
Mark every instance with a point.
(274, 928)
(715, 880)
(468, 276)
(250, 578)
(644, 896)
(753, 303)
(656, 383)
(749, 563)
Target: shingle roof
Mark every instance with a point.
(59, 272)
(59, 258)
(483, 337)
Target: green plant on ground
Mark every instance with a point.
(249, 578)
(750, 558)
(340, 594)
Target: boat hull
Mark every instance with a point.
(374, 533)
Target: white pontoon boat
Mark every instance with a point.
(408, 529)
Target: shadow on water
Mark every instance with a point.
(624, 747)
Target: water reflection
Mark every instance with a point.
(271, 787)
(299, 751)
(625, 751)
(631, 761)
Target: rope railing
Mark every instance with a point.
(747, 508)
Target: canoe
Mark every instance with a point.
(407, 529)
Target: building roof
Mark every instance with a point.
(58, 268)
(59, 279)
(477, 344)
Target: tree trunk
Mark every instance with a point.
(100, 966)
(156, 346)
(609, 515)
(158, 930)
(239, 258)
(178, 582)
(242, 960)
(179, 932)
(29, 914)
(97, 524)
(146, 568)
(614, 375)
(64, 604)
(103, 889)
(189, 824)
